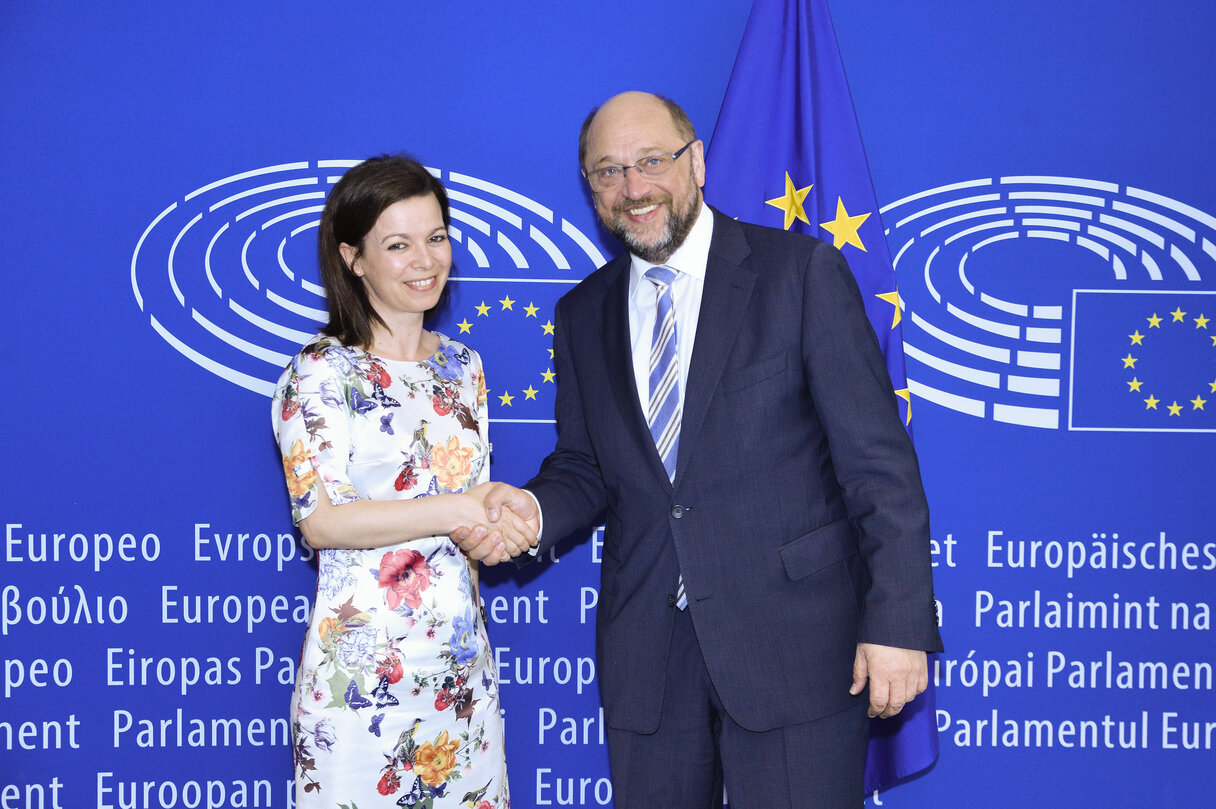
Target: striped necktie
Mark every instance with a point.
(663, 415)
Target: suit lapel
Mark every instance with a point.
(728, 287)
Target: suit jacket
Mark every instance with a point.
(796, 515)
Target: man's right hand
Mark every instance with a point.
(504, 495)
(512, 515)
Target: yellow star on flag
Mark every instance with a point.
(1178, 315)
(506, 399)
(548, 375)
(550, 353)
(1137, 338)
(1129, 361)
(1198, 403)
(1175, 409)
(1151, 402)
(844, 227)
(530, 393)
(790, 202)
(1154, 322)
(1214, 341)
(465, 325)
(1201, 322)
(1212, 385)
(507, 303)
(548, 327)
(482, 309)
(906, 395)
(1134, 385)
(893, 299)
(531, 310)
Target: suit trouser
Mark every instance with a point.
(814, 765)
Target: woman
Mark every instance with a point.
(382, 426)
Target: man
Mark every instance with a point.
(766, 550)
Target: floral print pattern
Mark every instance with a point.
(396, 699)
(405, 574)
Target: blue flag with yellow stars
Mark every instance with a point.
(786, 152)
(1142, 361)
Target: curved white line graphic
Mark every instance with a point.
(186, 261)
(968, 329)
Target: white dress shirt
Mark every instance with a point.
(689, 260)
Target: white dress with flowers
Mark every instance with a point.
(396, 698)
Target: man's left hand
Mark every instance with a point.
(896, 676)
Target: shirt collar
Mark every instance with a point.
(689, 258)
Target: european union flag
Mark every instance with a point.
(511, 326)
(1143, 361)
(786, 152)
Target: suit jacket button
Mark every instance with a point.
(671, 600)
(677, 511)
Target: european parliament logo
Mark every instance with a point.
(227, 275)
(1056, 302)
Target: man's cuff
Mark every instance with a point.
(540, 518)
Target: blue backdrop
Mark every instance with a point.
(1045, 173)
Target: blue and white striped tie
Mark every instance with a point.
(663, 415)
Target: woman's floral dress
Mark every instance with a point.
(396, 698)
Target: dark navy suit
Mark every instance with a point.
(796, 515)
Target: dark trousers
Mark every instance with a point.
(814, 765)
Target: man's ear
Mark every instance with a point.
(698, 162)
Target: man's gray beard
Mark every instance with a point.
(672, 236)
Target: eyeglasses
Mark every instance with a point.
(656, 165)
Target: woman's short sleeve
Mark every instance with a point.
(312, 424)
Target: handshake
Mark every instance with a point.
(497, 523)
